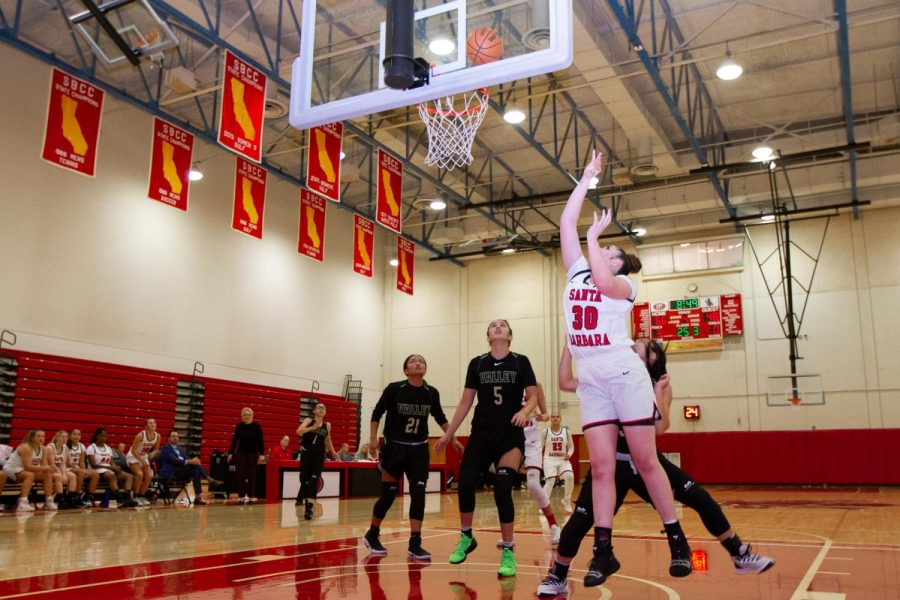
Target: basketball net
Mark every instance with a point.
(451, 130)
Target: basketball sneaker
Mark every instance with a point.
(371, 541)
(507, 563)
(600, 568)
(464, 547)
(553, 586)
(567, 505)
(749, 562)
(681, 559)
(417, 552)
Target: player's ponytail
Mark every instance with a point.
(630, 264)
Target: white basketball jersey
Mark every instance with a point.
(557, 444)
(59, 456)
(103, 456)
(596, 324)
(75, 454)
(146, 445)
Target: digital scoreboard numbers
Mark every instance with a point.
(689, 323)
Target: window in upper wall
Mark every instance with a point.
(693, 256)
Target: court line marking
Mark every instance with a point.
(158, 575)
(838, 557)
(605, 592)
(803, 587)
(831, 573)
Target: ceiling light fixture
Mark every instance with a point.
(393, 262)
(508, 251)
(768, 218)
(762, 153)
(437, 204)
(442, 46)
(729, 70)
(639, 231)
(343, 155)
(595, 181)
(513, 115)
(195, 175)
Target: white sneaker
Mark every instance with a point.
(551, 586)
(24, 506)
(50, 505)
(748, 562)
(567, 505)
(142, 501)
(554, 535)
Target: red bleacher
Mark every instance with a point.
(56, 392)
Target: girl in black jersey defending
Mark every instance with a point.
(685, 489)
(407, 404)
(499, 379)
(315, 439)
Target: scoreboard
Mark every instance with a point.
(693, 323)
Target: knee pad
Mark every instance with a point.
(386, 499)
(417, 500)
(698, 499)
(503, 484)
(533, 483)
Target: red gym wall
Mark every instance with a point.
(56, 392)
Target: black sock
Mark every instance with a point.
(415, 538)
(559, 570)
(309, 505)
(374, 530)
(733, 545)
(674, 533)
(602, 539)
(467, 532)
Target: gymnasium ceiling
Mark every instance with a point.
(674, 168)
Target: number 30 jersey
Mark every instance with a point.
(596, 324)
(407, 408)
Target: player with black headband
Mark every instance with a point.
(685, 489)
(407, 406)
(499, 379)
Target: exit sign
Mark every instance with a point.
(691, 412)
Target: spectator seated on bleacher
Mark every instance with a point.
(100, 456)
(28, 463)
(344, 454)
(174, 465)
(83, 472)
(364, 454)
(282, 451)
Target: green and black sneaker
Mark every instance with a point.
(464, 546)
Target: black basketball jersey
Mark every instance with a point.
(314, 441)
(500, 385)
(407, 408)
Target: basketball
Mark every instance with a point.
(484, 45)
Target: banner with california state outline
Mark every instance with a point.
(249, 197)
(243, 107)
(323, 164)
(390, 189)
(311, 238)
(171, 154)
(72, 128)
(406, 256)
(363, 245)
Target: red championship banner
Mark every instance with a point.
(390, 186)
(73, 123)
(171, 153)
(640, 320)
(312, 226)
(732, 314)
(323, 166)
(249, 197)
(406, 256)
(243, 104)
(363, 245)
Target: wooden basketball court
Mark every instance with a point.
(828, 544)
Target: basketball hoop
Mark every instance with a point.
(451, 131)
(794, 400)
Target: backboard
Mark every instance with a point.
(338, 74)
(795, 390)
(134, 20)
